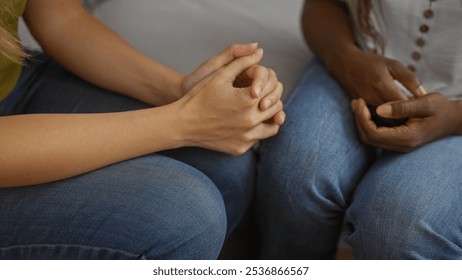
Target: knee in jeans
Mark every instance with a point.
(394, 221)
(197, 226)
(176, 209)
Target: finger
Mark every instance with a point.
(270, 112)
(263, 131)
(272, 98)
(413, 108)
(407, 78)
(280, 118)
(239, 65)
(239, 50)
(393, 138)
(363, 118)
(389, 90)
(216, 62)
(259, 76)
(271, 84)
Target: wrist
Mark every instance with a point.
(338, 61)
(176, 129)
(161, 84)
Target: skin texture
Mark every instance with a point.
(369, 78)
(227, 104)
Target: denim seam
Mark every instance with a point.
(141, 256)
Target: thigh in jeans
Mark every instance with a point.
(408, 206)
(151, 207)
(308, 171)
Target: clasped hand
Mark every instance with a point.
(431, 117)
(231, 102)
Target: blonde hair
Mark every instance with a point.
(10, 46)
(360, 11)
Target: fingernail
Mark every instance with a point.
(253, 45)
(266, 104)
(421, 90)
(283, 119)
(259, 51)
(257, 91)
(385, 110)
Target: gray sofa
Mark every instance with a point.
(184, 33)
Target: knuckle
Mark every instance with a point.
(414, 80)
(280, 88)
(279, 105)
(394, 64)
(367, 137)
(273, 73)
(248, 121)
(371, 138)
(220, 72)
(380, 85)
(413, 142)
(247, 137)
(233, 47)
(212, 61)
(240, 149)
(430, 105)
(275, 130)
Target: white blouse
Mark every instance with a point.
(425, 36)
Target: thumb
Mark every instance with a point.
(412, 108)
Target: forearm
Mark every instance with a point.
(85, 46)
(42, 148)
(328, 32)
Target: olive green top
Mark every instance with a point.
(10, 11)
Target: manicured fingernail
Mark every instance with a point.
(421, 90)
(266, 104)
(385, 110)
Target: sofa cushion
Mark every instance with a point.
(184, 33)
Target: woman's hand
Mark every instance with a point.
(431, 117)
(216, 115)
(261, 80)
(372, 77)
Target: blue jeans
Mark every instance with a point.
(178, 204)
(318, 179)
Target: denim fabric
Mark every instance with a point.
(147, 208)
(26, 82)
(397, 206)
(409, 206)
(179, 204)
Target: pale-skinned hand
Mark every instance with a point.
(217, 115)
(261, 80)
